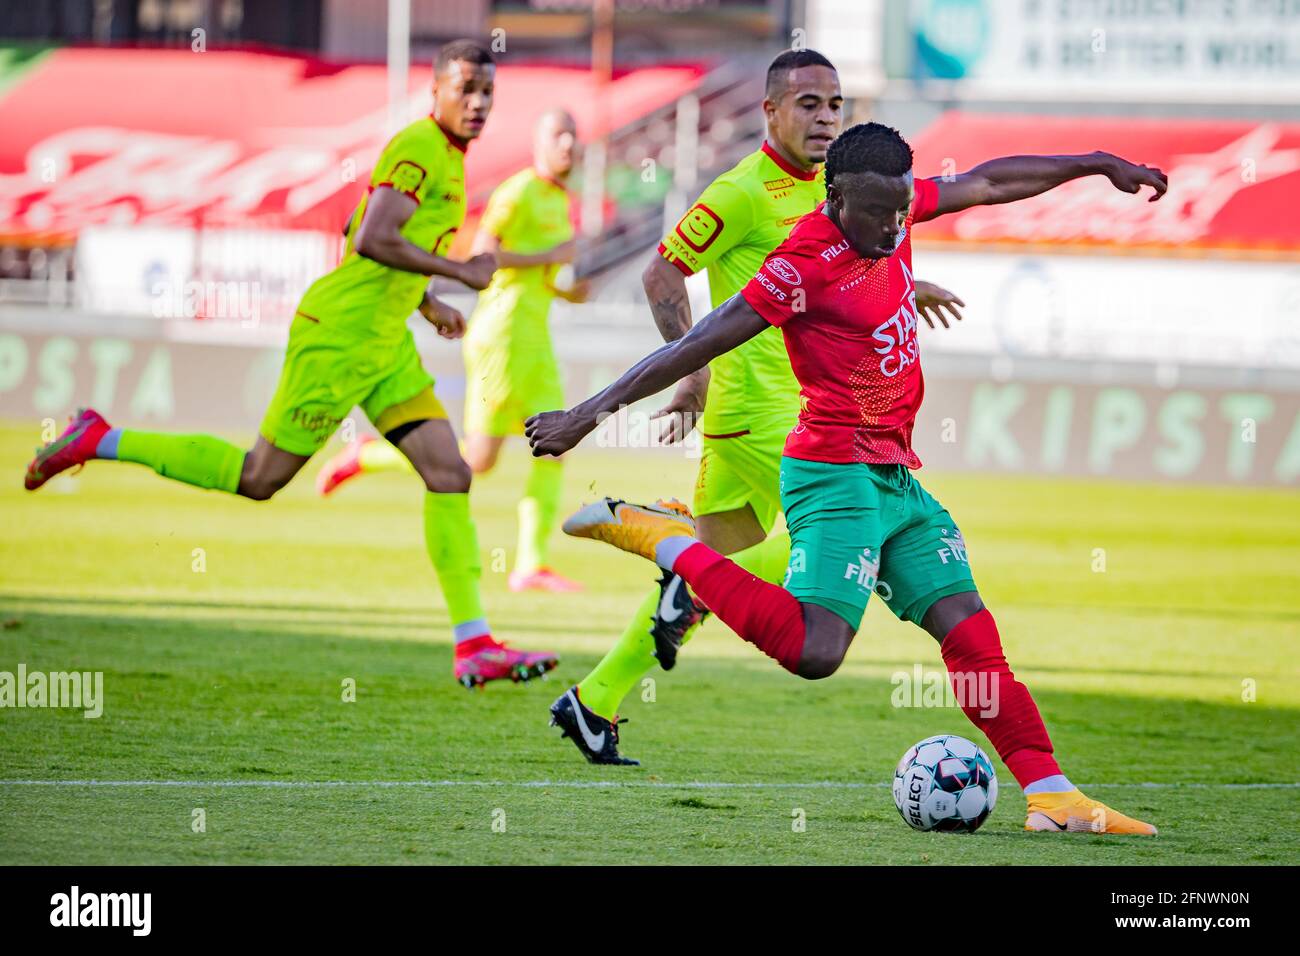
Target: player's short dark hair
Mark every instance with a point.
(869, 148)
(778, 72)
(466, 51)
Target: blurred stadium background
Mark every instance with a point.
(173, 173)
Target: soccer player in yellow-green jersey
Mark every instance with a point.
(510, 366)
(752, 394)
(349, 346)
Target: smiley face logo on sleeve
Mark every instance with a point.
(699, 227)
(407, 177)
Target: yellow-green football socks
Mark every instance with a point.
(199, 460)
(538, 509)
(452, 542)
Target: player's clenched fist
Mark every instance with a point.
(553, 433)
(448, 321)
(476, 272)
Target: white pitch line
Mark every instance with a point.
(582, 784)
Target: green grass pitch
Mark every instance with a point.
(1157, 627)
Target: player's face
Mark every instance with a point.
(870, 210)
(462, 97)
(807, 116)
(557, 144)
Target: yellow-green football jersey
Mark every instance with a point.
(363, 299)
(529, 214)
(738, 220)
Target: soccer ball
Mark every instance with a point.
(945, 783)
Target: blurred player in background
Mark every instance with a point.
(349, 345)
(860, 523)
(752, 394)
(510, 366)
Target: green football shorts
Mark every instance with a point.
(738, 470)
(859, 528)
(325, 375)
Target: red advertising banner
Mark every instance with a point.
(171, 137)
(1234, 186)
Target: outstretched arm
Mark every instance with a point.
(1018, 177)
(733, 322)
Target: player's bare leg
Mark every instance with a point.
(431, 448)
(267, 469)
(452, 542)
(482, 452)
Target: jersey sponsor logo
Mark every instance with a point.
(762, 279)
(864, 570)
(317, 421)
(783, 270)
(790, 220)
(953, 547)
(830, 252)
(897, 335)
(862, 276)
(772, 185)
(699, 227)
(407, 177)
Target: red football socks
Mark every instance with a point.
(770, 618)
(1008, 715)
(766, 615)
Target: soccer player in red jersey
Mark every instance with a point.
(841, 290)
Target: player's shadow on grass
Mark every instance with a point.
(222, 604)
(346, 621)
(375, 614)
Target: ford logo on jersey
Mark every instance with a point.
(784, 271)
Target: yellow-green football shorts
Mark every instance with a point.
(741, 469)
(326, 375)
(859, 529)
(504, 385)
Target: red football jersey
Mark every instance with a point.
(850, 328)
